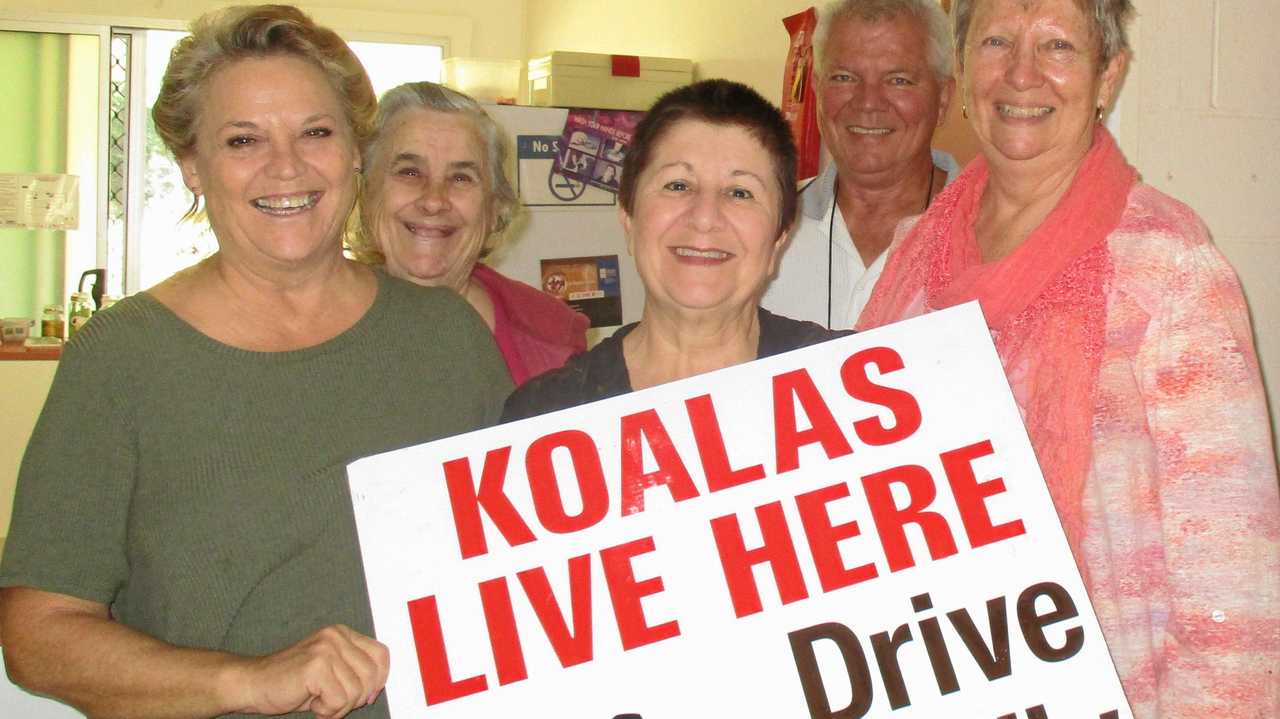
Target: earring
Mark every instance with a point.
(964, 111)
(1099, 115)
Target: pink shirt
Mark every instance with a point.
(535, 332)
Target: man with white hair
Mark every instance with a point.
(883, 81)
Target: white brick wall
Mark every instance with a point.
(1200, 118)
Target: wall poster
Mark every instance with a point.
(596, 143)
(590, 285)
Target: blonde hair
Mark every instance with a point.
(221, 37)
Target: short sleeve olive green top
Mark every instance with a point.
(200, 491)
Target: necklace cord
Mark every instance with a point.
(831, 231)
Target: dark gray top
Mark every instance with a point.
(199, 490)
(602, 372)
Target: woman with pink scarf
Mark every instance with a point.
(1126, 341)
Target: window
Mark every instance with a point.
(52, 124)
(390, 64)
(132, 197)
(160, 243)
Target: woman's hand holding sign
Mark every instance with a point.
(329, 674)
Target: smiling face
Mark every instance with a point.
(430, 203)
(275, 161)
(879, 101)
(1032, 81)
(704, 231)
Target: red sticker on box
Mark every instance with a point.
(626, 65)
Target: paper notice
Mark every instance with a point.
(39, 202)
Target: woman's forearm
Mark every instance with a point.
(70, 649)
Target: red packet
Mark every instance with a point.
(799, 103)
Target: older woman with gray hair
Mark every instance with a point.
(436, 202)
(1126, 341)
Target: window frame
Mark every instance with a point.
(11, 23)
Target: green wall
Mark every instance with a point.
(33, 83)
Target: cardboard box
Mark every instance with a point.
(614, 82)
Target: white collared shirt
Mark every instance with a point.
(821, 255)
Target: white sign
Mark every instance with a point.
(39, 202)
(540, 185)
(853, 529)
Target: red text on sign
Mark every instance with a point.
(778, 552)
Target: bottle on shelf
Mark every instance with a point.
(79, 312)
(53, 322)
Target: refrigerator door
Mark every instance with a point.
(559, 218)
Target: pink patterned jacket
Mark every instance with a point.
(1181, 542)
(1182, 536)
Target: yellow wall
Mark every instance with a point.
(25, 385)
(740, 41)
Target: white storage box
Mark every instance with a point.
(614, 82)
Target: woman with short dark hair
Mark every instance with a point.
(706, 200)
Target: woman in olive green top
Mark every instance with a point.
(183, 542)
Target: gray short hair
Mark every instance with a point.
(1107, 18)
(438, 98)
(928, 12)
